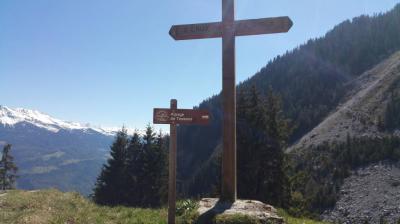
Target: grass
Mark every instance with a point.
(292, 220)
(51, 206)
(55, 207)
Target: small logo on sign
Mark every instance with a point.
(162, 116)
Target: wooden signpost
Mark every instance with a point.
(228, 29)
(174, 116)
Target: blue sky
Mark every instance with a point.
(111, 62)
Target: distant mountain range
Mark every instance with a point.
(52, 153)
(10, 117)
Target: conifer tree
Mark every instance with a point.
(154, 168)
(110, 187)
(277, 128)
(162, 144)
(262, 132)
(134, 174)
(8, 169)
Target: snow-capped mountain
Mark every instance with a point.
(11, 117)
(52, 153)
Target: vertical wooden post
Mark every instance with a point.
(172, 169)
(228, 191)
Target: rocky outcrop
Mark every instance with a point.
(210, 207)
(370, 195)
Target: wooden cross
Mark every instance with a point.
(228, 29)
(174, 116)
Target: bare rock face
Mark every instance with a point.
(359, 114)
(370, 195)
(255, 209)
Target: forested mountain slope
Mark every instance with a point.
(311, 79)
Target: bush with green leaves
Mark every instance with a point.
(185, 206)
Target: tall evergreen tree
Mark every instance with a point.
(162, 144)
(278, 131)
(110, 187)
(134, 171)
(261, 135)
(8, 169)
(154, 168)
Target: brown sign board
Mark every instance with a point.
(196, 31)
(242, 28)
(263, 26)
(180, 116)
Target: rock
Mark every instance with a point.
(368, 195)
(210, 207)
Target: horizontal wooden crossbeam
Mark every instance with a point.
(242, 28)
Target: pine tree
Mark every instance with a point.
(277, 126)
(250, 132)
(162, 144)
(278, 131)
(146, 172)
(262, 132)
(134, 171)
(8, 169)
(111, 186)
(154, 168)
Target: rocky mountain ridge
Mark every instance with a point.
(12, 116)
(362, 111)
